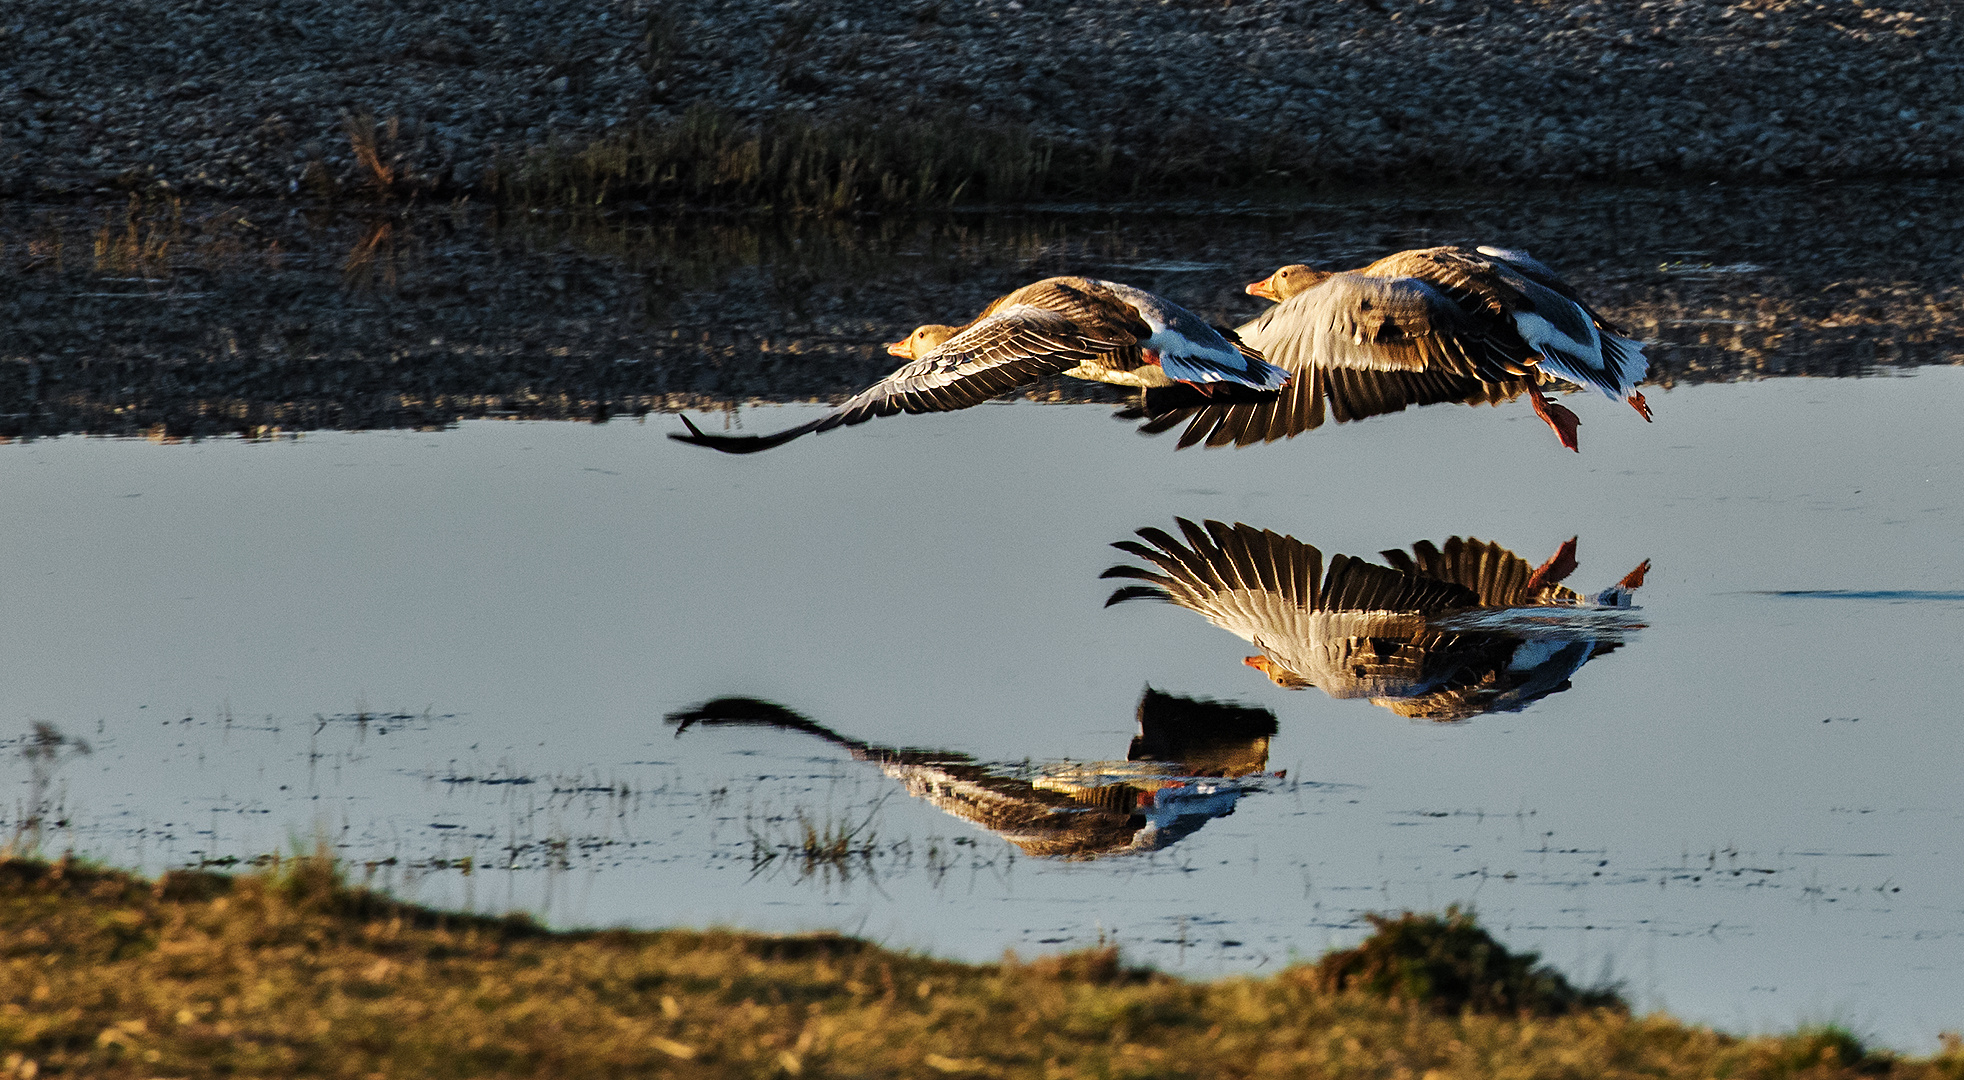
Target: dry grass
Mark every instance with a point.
(708, 158)
(140, 239)
(289, 973)
(851, 164)
(372, 146)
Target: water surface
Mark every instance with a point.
(460, 654)
(450, 655)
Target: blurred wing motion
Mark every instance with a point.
(1443, 631)
(1181, 772)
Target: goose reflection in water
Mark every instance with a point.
(1440, 632)
(1190, 762)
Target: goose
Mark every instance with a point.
(1444, 632)
(1474, 325)
(1082, 327)
(1182, 770)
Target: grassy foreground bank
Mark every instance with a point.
(294, 974)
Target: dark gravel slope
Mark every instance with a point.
(240, 96)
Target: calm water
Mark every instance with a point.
(453, 654)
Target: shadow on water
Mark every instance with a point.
(1894, 596)
(1440, 632)
(1190, 762)
(172, 320)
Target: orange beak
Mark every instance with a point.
(1259, 663)
(901, 348)
(1263, 288)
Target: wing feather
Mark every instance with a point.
(1362, 343)
(1253, 583)
(1357, 320)
(1311, 399)
(1011, 347)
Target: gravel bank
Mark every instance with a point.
(243, 98)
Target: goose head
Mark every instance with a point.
(1286, 282)
(924, 340)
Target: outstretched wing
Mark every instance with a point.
(1595, 353)
(1010, 347)
(1357, 345)
(1539, 272)
(1383, 323)
(1312, 398)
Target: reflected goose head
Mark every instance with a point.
(1286, 282)
(925, 339)
(1277, 674)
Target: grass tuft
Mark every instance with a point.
(1448, 963)
(369, 149)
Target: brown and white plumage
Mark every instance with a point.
(1083, 327)
(1472, 325)
(1409, 634)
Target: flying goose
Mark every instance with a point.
(1442, 631)
(1474, 325)
(1083, 327)
(1180, 772)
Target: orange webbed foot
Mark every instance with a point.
(1559, 418)
(1634, 579)
(1558, 567)
(1637, 402)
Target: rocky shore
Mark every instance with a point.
(255, 99)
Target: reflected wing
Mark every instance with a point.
(1255, 584)
(1013, 346)
(1358, 629)
(1266, 587)
(1497, 576)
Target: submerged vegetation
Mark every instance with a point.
(291, 972)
